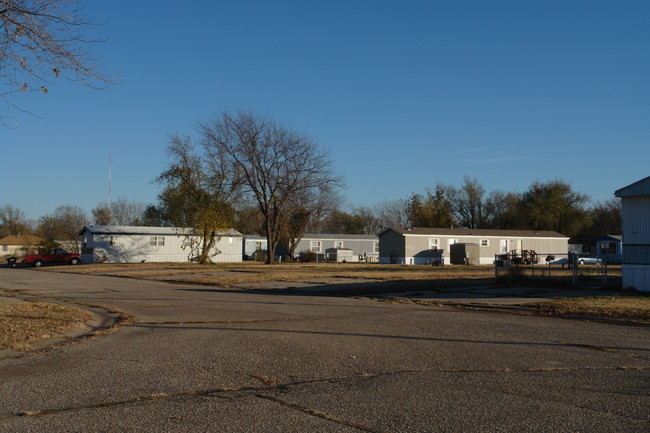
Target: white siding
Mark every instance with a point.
(133, 248)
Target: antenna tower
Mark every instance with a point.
(109, 179)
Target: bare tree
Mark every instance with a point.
(41, 40)
(273, 162)
(467, 203)
(12, 221)
(393, 213)
(120, 212)
(64, 225)
(370, 220)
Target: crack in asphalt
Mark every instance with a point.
(270, 385)
(320, 414)
(205, 322)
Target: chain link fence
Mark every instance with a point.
(558, 269)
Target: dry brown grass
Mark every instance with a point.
(232, 274)
(22, 323)
(613, 307)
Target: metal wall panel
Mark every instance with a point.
(636, 220)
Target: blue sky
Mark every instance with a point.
(405, 94)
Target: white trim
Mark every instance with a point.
(480, 236)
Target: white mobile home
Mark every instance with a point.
(254, 247)
(635, 205)
(130, 244)
(423, 245)
(364, 247)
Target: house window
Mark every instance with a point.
(503, 246)
(5, 248)
(338, 244)
(433, 243)
(111, 240)
(608, 248)
(157, 241)
(315, 246)
(376, 247)
(485, 242)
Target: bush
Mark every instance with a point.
(309, 256)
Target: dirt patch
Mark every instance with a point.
(22, 323)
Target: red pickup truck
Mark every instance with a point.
(57, 255)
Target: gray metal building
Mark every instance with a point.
(421, 245)
(635, 204)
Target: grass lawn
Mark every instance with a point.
(232, 274)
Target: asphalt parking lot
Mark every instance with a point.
(198, 358)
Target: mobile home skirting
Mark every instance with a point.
(424, 260)
(636, 277)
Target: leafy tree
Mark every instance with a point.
(272, 163)
(342, 222)
(12, 221)
(604, 218)
(249, 220)
(502, 210)
(102, 215)
(41, 40)
(553, 206)
(430, 210)
(156, 215)
(198, 193)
